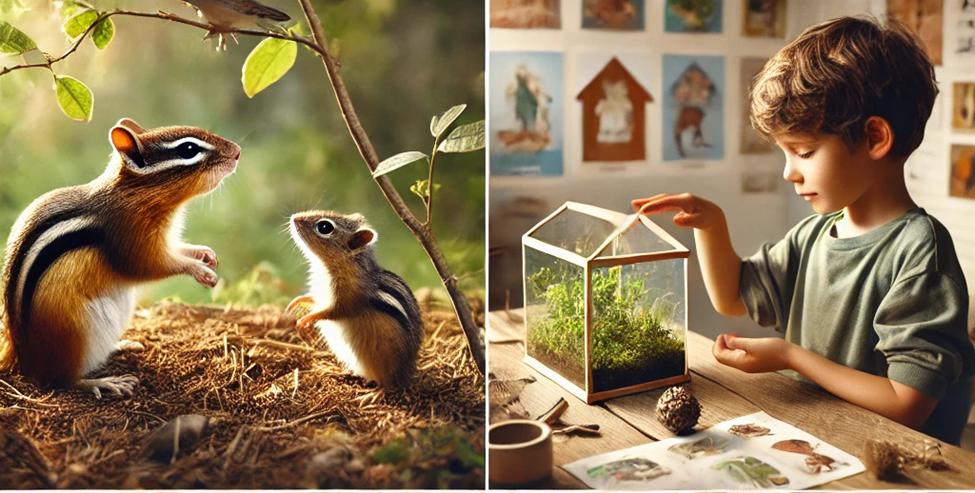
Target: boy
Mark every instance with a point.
(868, 292)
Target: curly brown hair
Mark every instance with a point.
(838, 73)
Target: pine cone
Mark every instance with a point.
(678, 409)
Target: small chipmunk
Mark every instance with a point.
(76, 254)
(227, 15)
(368, 315)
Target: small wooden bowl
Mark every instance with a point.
(519, 453)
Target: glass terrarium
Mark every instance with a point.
(605, 302)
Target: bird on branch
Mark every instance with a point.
(225, 16)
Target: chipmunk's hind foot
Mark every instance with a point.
(120, 385)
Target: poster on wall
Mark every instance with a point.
(925, 18)
(962, 176)
(618, 15)
(693, 101)
(526, 14)
(614, 104)
(692, 16)
(764, 18)
(526, 113)
(963, 106)
(751, 141)
(964, 17)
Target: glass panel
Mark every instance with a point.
(638, 323)
(637, 239)
(554, 314)
(575, 231)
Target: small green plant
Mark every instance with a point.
(631, 342)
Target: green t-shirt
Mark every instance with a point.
(891, 302)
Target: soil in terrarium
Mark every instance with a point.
(631, 342)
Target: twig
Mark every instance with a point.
(298, 421)
(552, 416)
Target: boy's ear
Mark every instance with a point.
(362, 238)
(879, 136)
(126, 143)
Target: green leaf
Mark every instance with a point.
(77, 25)
(465, 138)
(13, 40)
(398, 161)
(268, 62)
(440, 123)
(74, 98)
(71, 8)
(103, 33)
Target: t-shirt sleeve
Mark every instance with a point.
(921, 326)
(764, 283)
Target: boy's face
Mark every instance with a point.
(824, 171)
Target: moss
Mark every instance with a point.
(630, 343)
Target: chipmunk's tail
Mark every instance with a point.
(7, 356)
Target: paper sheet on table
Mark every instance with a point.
(734, 455)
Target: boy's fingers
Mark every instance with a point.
(665, 203)
(637, 203)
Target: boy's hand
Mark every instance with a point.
(693, 211)
(753, 355)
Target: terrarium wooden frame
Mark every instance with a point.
(623, 223)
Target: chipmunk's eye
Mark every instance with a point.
(324, 227)
(187, 150)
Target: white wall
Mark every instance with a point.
(753, 218)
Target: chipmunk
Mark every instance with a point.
(226, 15)
(76, 254)
(368, 315)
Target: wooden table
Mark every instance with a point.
(725, 393)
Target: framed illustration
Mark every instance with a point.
(692, 16)
(526, 113)
(693, 113)
(924, 17)
(614, 104)
(963, 106)
(751, 141)
(618, 15)
(763, 18)
(526, 14)
(962, 176)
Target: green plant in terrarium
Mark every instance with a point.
(631, 342)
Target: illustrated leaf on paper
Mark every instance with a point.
(439, 124)
(74, 98)
(14, 41)
(267, 63)
(397, 161)
(465, 138)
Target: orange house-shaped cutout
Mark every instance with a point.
(614, 116)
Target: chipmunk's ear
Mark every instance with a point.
(125, 142)
(363, 237)
(131, 125)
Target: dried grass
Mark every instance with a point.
(283, 413)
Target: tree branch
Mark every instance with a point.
(163, 16)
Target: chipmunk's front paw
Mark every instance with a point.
(203, 274)
(204, 254)
(308, 321)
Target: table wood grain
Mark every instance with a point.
(725, 393)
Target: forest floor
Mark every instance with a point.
(275, 410)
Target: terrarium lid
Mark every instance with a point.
(581, 233)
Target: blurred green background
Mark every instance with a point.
(402, 60)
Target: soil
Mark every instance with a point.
(279, 412)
